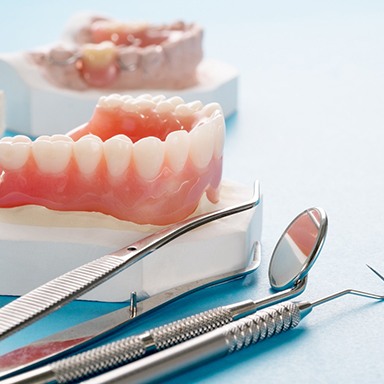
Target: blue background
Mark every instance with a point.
(310, 127)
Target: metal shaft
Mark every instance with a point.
(230, 338)
(116, 354)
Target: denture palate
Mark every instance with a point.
(148, 160)
(103, 53)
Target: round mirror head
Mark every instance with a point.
(298, 248)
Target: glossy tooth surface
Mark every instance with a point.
(176, 100)
(59, 137)
(195, 105)
(211, 108)
(143, 104)
(218, 125)
(177, 149)
(183, 110)
(145, 96)
(19, 139)
(88, 152)
(164, 107)
(113, 101)
(149, 157)
(158, 98)
(125, 98)
(14, 152)
(129, 106)
(118, 153)
(202, 143)
(52, 156)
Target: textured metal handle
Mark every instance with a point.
(261, 325)
(98, 360)
(116, 354)
(50, 296)
(218, 343)
(190, 327)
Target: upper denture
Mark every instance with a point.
(103, 53)
(147, 160)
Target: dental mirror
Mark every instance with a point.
(297, 249)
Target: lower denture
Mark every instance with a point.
(147, 160)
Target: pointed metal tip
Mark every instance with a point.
(374, 271)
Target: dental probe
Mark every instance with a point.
(220, 342)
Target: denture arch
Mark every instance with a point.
(101, 53)
(147, 160)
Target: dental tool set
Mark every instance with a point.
(173, 347)
(307, 232)
(220, 342)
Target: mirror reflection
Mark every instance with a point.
(297, 248)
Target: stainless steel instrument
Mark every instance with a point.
(71, 339)
(220, 342)
(58, 292)
(308, 228)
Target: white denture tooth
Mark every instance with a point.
(43, 138)
(129, 106)
(102, 101)
(59, 137)
(113, 101)
(6, 139)
(149, 157)
(164, 107)
(14, 155)
(118, 153)
(143, 104)
(183, 110)
(218, 124)
(177, 149)
(126, 98)
(51, 157)
(88, 151)
(21, 139)
(210, 108)
(202, 143)
(158, 98)
(176, 100)
(145, 96)
(195, 105)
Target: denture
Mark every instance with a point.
(147, 160)
(97, 52)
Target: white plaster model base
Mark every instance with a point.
(37, 245)
(35, 107)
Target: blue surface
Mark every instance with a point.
(310, 128)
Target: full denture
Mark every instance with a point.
(147, 160)
(103, 53)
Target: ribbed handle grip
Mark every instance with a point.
(261, 325)
(116, 354)
(98, 360)
(185, 329)
(52, 295)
